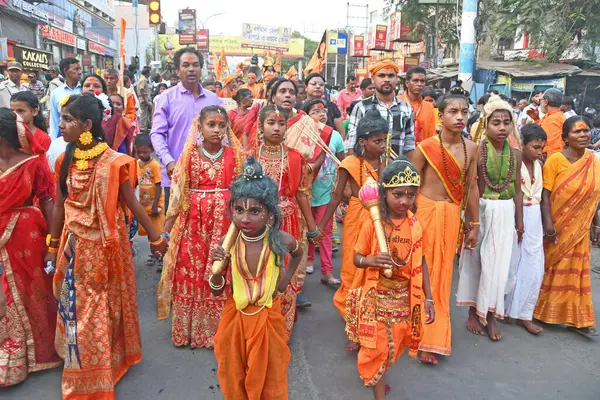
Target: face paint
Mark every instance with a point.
(581, 126)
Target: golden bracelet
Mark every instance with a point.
(474, 223)
(158, 242)
(50, 239)
(52, 249)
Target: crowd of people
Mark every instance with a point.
(236, 203)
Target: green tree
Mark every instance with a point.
(552, 25)
(309, 46)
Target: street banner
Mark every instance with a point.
(187, 26)
(395, 26)
(275, 38)
(202, 40)
(358, 46)
(380, 37)
(337, 42)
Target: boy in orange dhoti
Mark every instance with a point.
(385, 314)
(443, 162)
(251, 344)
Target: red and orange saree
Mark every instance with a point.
(98, 332)
(27, 331)
(199, 203)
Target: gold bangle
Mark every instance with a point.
(50, 239)
(474, 223)
(158, 242)
(52, 249)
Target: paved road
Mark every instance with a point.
(557, 365)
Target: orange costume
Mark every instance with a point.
(385, 314)
(119, 132)
(251, 345)
(98, 332)
(566, 294)
(552, 123)
(425, 117)
(199, 201)
(441, 224)
(148, 175)
(257, 89)
(355, 217)
(227, 92)
(27, 331)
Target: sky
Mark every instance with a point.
(309, 17)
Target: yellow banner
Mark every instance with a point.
(233, 47)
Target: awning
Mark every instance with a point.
(524, 69)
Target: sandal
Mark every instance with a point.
(587, 332)
(333, 283)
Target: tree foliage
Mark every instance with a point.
(552, 25)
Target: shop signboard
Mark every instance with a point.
(202, 40)
(30, 10)
(33, 59)
(57, 35)
(96, 48)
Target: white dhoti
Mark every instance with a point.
(530, 271)
(487, 272)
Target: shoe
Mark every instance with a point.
(302, 301)
(335, 249)
(310, 269)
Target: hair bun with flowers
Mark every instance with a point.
(107, 112)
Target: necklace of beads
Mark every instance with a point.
(82, 156)
(368, 171)
(282, 160)
(463, 174)
(511, 169)
(255, 238)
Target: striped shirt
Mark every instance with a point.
(400, 118)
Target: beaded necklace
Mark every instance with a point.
(463, 174)
(511, 168)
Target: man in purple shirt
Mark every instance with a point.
(175, 110)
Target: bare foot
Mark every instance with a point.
(506, 320)
(351, 346)
(530, 326)
(473, 324)
(492, 329)
(428, 358)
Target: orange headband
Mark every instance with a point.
(383, 64)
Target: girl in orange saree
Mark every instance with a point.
(27, 328)
(289, 171)
(355, 170)
(97, 331)
(569, 202)
(197, 218)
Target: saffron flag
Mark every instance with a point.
(318, 59)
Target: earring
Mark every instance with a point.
(86, 138)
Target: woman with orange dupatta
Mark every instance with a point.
(197, 218)
(385, 313)
(28, 324)
(97, 330)
(356, 169)
(569, 202)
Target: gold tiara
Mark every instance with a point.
(406, 177)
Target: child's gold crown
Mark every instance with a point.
(406, 177)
